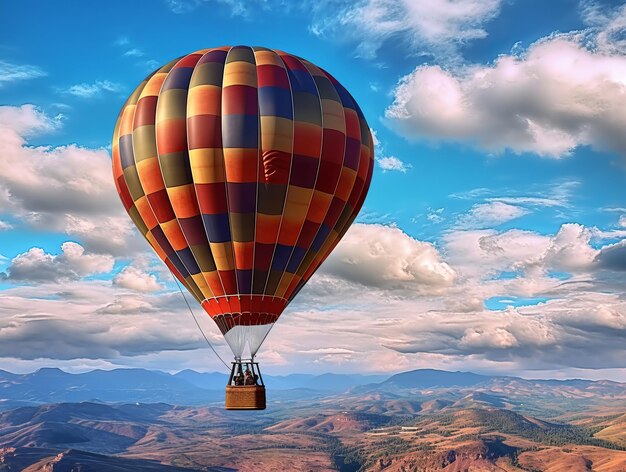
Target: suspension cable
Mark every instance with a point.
(198, 324)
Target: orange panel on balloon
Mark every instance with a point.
(184, 201)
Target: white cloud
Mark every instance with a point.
(17, 72)
(5, 226)
(26, 120)
(570, 249)
(484, 253)
(135, 279)
(85, 90)
(488, 215)
(134, 52)
(35, 265)
(607, 26)
(556, 97)
(386, 257)
(387, 163)
(439, 27)
(622, 221)
(66, 189)
(392, 163)
(435, 216)
(498, 338)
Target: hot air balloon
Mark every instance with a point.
(243, 167)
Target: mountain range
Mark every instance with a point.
(422, 420)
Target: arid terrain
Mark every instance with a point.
(414, 421)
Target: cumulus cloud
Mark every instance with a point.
(135, 279)
(386, 257)
(490, 338)
(488, 215)
(550, 100)
(613, 256)
(18, 72)
(67, 189)
(95, 89)
(439, 27)
(570, 249)
(35, 265)
(484, 253)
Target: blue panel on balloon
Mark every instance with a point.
(217, 227)
(126, 151)
(321, 236)
(178, 78)
(281, 257)
(275, 101)
(186, 257)
(240, 131)
(296, 259)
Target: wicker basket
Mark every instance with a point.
(245, 397)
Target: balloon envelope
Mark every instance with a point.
(243, 167)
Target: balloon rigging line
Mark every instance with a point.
(198, 324)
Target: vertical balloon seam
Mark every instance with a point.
(309, 250)
(221, 317)
(358, 202)
(227, 293)
(238, 272)
(256, 190)
(263, 294)
(316, 173)
(193, 179)
(166, 70)
(323, 254)
(267, 318)
(174, 254)
(217, 322)
(201, 53)
(277, 315)
(256, 193)
(362, 193)
(185, 236)
(230, 222)
(363, 190)
(282, 215)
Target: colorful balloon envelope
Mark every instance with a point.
(243, 167)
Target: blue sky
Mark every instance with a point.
(498, 204)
